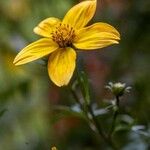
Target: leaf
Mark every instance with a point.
(138, 127)
(126, 119)
(84, 84)
(122, 127)
(64, 111)
(125, 122)
(99, 112)
(141, 129)
(102, 111)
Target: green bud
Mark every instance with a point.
(118, 89)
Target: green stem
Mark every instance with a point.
(76, 97)
(93, 120)
(96, 123)
(100, 130)
(116, 112)
(87, 109)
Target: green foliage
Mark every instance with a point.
(84, 85)
(61, 112)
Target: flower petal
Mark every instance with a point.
(45, 27)
(35, 51)
(79, 15)
(61, 66)
(96, 36)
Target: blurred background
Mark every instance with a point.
(28, 118)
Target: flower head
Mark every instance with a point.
(62, 38)
(118, 89)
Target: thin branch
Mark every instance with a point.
(116, 112)
(100, 130)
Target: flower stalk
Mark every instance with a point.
(118, 90)
(116, 113)
(87, 109)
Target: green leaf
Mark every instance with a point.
(122, 127)
(102, 111)
(141, 129)
(125, 122)
(84, 84)
(64, 111)
(126, 119)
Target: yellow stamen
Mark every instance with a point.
(63, 35)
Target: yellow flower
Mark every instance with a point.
(54, 148)
(63, 38)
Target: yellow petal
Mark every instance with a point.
(79, 15)
(35, 51)
(96, 36)
(61, 66)
(46, 27)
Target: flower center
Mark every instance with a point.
(63, 35)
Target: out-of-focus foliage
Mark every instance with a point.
(27, 96)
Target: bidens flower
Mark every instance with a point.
(53, 148)
(62, 38)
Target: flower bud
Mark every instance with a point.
(118, 89)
